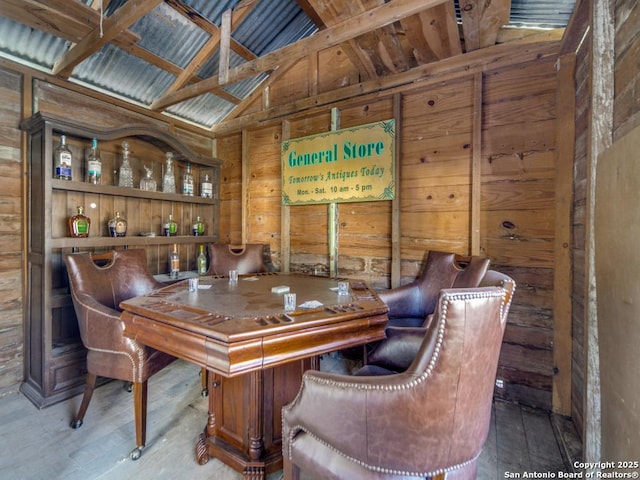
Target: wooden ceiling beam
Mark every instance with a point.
(526, 50)
(357, 25)
(239, 13)
(433, 33)
(113, 26)
(205, 52)
(481, 20)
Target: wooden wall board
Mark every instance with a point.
(11, 232)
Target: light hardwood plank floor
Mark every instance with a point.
(39, 444)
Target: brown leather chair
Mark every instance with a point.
(396, 352)
(410, 304)
(97, 291)
(431, 419)
(248, 258)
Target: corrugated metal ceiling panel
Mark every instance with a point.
(167, 33)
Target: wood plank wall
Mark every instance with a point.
(517, 209)
(11, 214)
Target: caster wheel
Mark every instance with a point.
(128, 386)
(76, 424)
(205, 392)
(135, 454)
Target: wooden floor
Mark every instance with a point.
(38, 444)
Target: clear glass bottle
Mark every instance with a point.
(197, 229)
(206, 186)
(94, 164)
(147, 182)
(125, 177)
(169, 180)
(117, 226)
(187, 182)
(62, 160)
(170, 228)
(79, 224)
(201, 261)
(174, 262)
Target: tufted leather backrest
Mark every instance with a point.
(247, 258)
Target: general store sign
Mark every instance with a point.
(350, 165)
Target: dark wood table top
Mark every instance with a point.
(237, 328)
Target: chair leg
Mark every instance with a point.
(89, 387)
(140, 417)
(204, 379)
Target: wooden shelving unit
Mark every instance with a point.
(55, 357)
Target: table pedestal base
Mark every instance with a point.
(244, 429)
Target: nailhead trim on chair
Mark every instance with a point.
(448, 298)
(375, 468)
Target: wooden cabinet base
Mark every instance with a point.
(244, 429)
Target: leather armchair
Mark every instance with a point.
(396, 352)
(248, 258)
(431, 419)
(96, 292)
(410, 304)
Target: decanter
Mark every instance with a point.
(94, 164)
(187, 182)
(79, 224)
(117, 226)
(62, 159)
(148, 182)
(169, 180)
(170, 228)
(197, 229)
(125, 177)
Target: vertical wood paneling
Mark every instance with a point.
(11, 221)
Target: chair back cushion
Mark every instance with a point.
(123, 276)
(244, 258)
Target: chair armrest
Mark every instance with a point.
(100, 326)
(397, 351)
(404, 301)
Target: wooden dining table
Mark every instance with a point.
(254, 351)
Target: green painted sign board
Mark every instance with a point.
(350, 165)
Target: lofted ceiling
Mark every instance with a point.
(202, 60)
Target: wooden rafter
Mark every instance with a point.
(118, 22)
(481, 20)
(357, 25)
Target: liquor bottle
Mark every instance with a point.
(174, 262)
(206, 187)
(197, 229)
(94, 164)
(117, 226)
(187, 182)
(170, 227)
(201, 261)
(169, 180)
(147, 182)
(79, 224)
(62, 160)
(125, 177)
